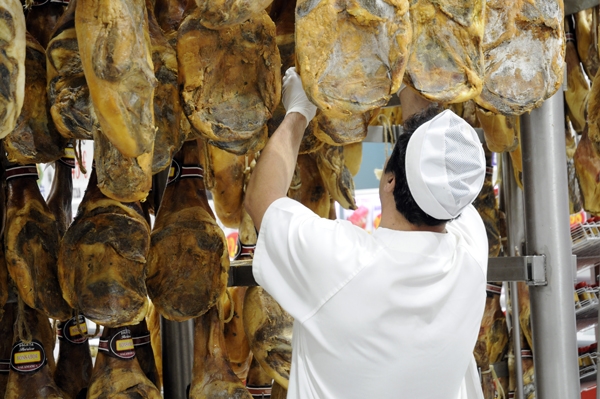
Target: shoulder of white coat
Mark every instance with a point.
(471, 230)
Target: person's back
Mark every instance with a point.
(394, 314)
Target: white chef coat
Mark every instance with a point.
(392, 314)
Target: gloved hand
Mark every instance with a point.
(293, 96)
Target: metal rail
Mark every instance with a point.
(547, 233)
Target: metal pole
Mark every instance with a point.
(513, 201)
(547, 233)
(177, 339)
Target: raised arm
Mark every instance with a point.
(274, 170)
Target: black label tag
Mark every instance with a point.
(72, 330)
(27, 358)
(119, 345)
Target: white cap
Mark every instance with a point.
(445, 165)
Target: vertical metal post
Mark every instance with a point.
(513, 201)
(177, 339)
(547, 233)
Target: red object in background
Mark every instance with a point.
(588, 392)
(232, 244)
(359, 217)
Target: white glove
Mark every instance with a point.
(293, 96)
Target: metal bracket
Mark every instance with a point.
(530, 269)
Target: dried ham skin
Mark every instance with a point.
(70, 102)
(351, 55)
(269, 329)
(218, 14)
(102, 260)
(73, 367)
(446, 64)
(188, 260)
(524, 48)
(336, 176)
(12, 64)
(114, 46)
(499, 130)
(230, 80)
(35, 138)
(32, 244)
(578, 88)
(212, 377)
(587, 167)
(308, 187)
(167, 107)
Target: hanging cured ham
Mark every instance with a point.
(188, 260)
(35, 138)
(351, 56)
(102, 260)
(269, 329)
(61, 191)
(308, 187)
(578, 88)
(114, 45)
(500, 131)
(117, 372)
(230, 80)
(42, 19)
(446, 64)
(70, 103)
(74, 364)
(337, 130)
(219, 14)
(31, 360)
(227, 172)
(167, 108)
(212, 376)
(587, 167)
(32, 243)
(12, 62)
(336, 176)
(587, 40)
(524, 48)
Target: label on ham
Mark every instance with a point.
(73, 330)
(4, 366)
(142, 340)
(69, 157)
(27, 357)
(37, 3)
(178, 171)
(13, 172)
(119, 345)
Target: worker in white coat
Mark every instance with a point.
(392, 314)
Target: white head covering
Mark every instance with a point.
(445, 165)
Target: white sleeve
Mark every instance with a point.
(470, 227)
(302, 259)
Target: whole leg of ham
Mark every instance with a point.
(121, 178)
(212, 376)
(74, 365)
(102, 260)
(12, 64)
(587, 168)
(117, 372)
(61, 191)
(42, 19)
(269, 330)
(144, 353)
(188, 260)
(578, 87)
(219, 14)
(587, 40)
(336, 176)
(446, 64)
(499, 130)
(114, 45)
(230, 80)
(32, 243)
(32, 378)
(351, 56)
(35, 138)
(524, 49)
(70, 102)
(9, 314)
(167, 107)
(308, 186)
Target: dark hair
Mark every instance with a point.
(405, 202)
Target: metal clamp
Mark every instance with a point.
(530, 269)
